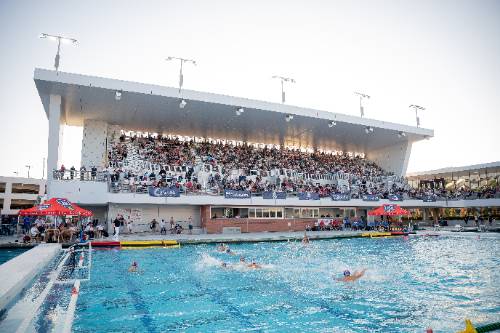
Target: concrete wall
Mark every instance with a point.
(94, 143)
(393, 158)
(143, 214)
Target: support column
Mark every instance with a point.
(8, 197)
(55, 138)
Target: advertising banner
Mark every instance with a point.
(164, 191)
(235, 194)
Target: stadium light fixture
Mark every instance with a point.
(182, 104)
(118, 95)
(58, 39)
(368, 129)
(288, 117)
(401, 134)
(283, 79)
(29, 168)
(331, 123)
(416, 108)
(361, 108)
(239, 111)
(182, 61)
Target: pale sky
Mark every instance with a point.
(443, 55)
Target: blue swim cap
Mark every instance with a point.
(347, 273)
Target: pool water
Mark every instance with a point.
(7, 254)
(410, 284)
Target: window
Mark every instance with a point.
(309, 212)
(21, 204)
(265, 213)
(2, 187)
(25, 188)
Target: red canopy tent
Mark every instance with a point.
(56, 207)
(389, 210)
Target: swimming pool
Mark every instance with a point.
(7, 254)
(410, 285)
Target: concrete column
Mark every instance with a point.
(394, 158)
(7, 198)
(94, 144)
(55, 138)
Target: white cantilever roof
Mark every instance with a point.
(153, 108)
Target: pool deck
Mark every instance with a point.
(10, 241)
(244, 237)
(18, 272)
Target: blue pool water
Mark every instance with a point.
(409, 285)
(7, 254)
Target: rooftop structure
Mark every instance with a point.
(98, 103)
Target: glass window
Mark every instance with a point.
(2, 187)
(217, 212)
(258, 212)
(279, 213)
(265, 212)
(251, 213)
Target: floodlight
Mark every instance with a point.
(368, 129)
(361, 108)
(331, 123)
(58, 39)
(239, 111)
(118, 95)
(288, 117)
(283, 79)
(182, 61)
(182, 104)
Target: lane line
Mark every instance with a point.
(70, 313)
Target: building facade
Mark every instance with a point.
(19, 193)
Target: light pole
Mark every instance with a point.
(416, 108)
(182, 61)
(43, 168)
(58, 39)
(361, 96)
(16, 173)
(283, 79)
(29, 167)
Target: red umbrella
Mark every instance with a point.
(56, 207)
(389, 210)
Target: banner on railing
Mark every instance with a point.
(308, 196)
(164, 191)
(341, 197)
(429, 198)
(273, 195)
(235, 194)
(370, 197)
(395, 197)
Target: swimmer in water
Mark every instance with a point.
(224, 265)
(254, 265)
(305, 240)
(242, 259)
(221, 247)
(228, 251)
(133, 267)
(348, 277)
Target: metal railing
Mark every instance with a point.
(94, 176)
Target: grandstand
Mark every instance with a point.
(232, 164)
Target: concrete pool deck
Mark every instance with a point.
(18, 272)
(10, 241)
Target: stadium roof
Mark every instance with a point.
(491, 168)
(153, 108)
